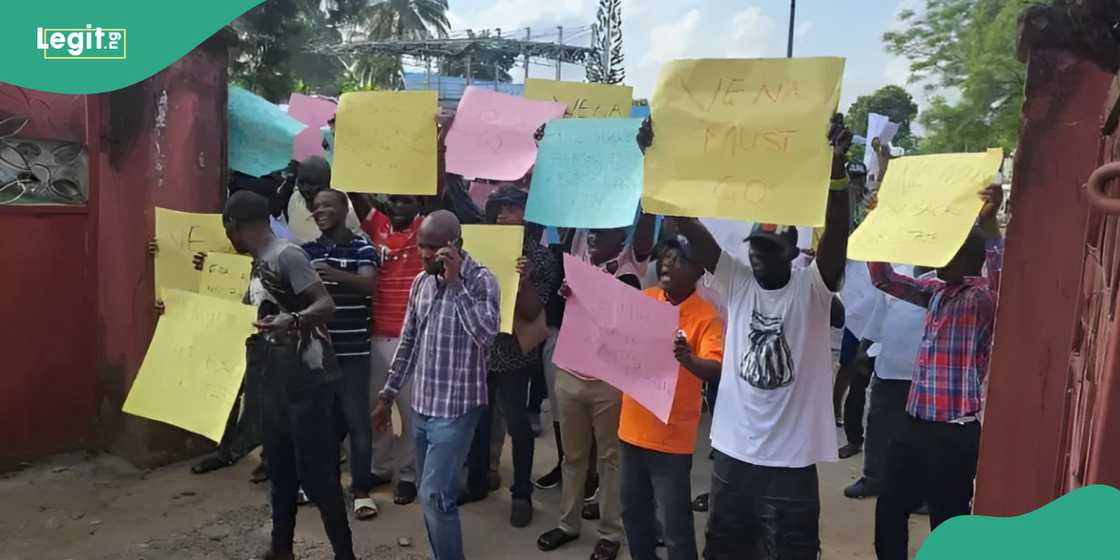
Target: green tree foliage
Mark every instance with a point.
(277, 36)
(606, 38)
(407, 19)
(965, 47)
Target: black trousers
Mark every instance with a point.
(854, 404)
(302, 448)
(934, 462)
(762, 513)
(657, 484)
(886, 417)
(509, 389)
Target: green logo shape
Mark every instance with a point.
(1079, 525)
(83, 46)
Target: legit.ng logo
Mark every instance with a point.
(88, 43)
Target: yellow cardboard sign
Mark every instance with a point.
(927, 205)
(498, 248)
(180, 235)
(743, 139)
(583, 100)
(194, 365)
(385, 142)
(225, 276)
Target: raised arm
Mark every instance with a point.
(917, 292)
(642, 243)
(707, 250)
(832, 253)
(476, 306)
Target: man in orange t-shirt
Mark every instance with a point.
(657, 457)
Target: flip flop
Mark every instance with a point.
(365, 508)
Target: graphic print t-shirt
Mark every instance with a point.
(775, 394)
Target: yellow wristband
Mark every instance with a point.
(838, 185)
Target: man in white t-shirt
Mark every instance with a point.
(773, 420)
(896, 327)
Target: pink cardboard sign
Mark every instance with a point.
(314, 112)
(618, 334)
(492, 136)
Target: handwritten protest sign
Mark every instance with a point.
(498, 248)
(927, 205)
(225, 276)
(618, 334)
(881, 127)
(261, 135)
(588, 174)
(313, 112)
(492, 136)
(179, 236)
(194, 365)
(385, 142)
(743, 139)
(583, 100)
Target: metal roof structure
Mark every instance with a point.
(483, 48)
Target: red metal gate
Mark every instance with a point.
(1051, 422)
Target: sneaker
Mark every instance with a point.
(550, 480)
(590, 511)
(591, 490)
(405, 493)
(302, 498)
(493, 481)
(700, 504)
(521, 514)
(862, 488)
(850, 450)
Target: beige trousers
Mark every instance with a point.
(589, 408)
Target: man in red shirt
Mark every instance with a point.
(393, 230)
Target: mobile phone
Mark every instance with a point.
(458, 244)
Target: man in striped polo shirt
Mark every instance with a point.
(347, 265)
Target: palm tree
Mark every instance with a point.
(407, 19)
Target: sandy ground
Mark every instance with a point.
(98, 507)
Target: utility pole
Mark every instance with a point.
(792, 15)
(559, 53)
(525, 54)
(496, 63)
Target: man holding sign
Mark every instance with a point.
(773, 420)
(932, 458)
(657, 456)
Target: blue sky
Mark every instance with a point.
(656, 31)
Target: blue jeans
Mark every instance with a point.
(441, 447)
(656, 483)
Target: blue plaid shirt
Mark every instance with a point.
(446, 341)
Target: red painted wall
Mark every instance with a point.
(77, 291)
(47, 384)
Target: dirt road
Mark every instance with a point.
(98, 507)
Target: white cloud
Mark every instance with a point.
(633, 8)
(671, 40)
(753, 32)
(515, 14)
(802, 29)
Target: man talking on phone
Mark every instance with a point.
(449, 327)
